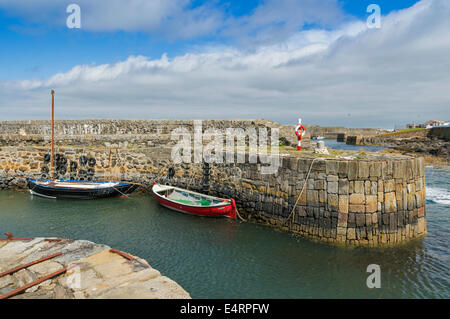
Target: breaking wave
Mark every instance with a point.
(438, 195)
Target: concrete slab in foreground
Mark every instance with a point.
(94, 272)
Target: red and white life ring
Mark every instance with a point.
(300, 132)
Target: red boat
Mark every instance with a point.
(185, 201)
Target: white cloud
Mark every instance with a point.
(381, 77)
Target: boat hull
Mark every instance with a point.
(228, 209)
(121, 189)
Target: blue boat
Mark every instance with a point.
(73, 189)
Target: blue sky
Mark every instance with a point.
(38, 51)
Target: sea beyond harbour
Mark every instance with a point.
(222, 258)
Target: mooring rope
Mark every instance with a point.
(239, 215)
(120, 191)
(301, 192)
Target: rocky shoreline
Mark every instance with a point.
(433, 147)
(94, 271)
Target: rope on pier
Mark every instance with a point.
(299, 195)
(239, 215)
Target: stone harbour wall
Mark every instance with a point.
(346, 202)
(122, 133)
(371, 202)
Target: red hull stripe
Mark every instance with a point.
(224, 210)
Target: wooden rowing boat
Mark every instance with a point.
(193, 203)
(79, 189)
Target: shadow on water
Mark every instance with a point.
(222, 258)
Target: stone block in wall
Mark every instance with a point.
(342, 219)
(363, 170)
(393, 220)
(343, 169)
(333, 202)
(351, 187)
(319, 166)
(333, 231)
(357, 199)
(410, 169)
(369, 220)
(421, 166)
(332, 187)
(419, 184)
(420, 198)
(411, 201)
(389, 170)
(375, 221)
(351, 233)
(361, 233)
(322, 196)
(343, 203)
(359, 187)
(389, 185)
(421, 225)
(343, 185)
(380, 186)
(353, 170)
(293, 163)
(421, 212)
(301, 211)
(401, 218)
(312, 197)
(341, 233)
(375, 169)
(399, 169)
(367, 185)
(385, 219)
(331, 167)
(373, 188)
(320, 185)
(360, 219)
(351, 221)
(299, 184)
(371, 203)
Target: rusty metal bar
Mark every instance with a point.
(34, 283)
(13, 270)
(121, 253)
(11, 237)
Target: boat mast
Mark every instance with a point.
(53, 136)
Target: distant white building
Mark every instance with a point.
(428, 124)
(433, 123)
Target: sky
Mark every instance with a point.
(196, 59)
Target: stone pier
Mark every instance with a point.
(348, 199)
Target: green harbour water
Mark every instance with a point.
(222, 258)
